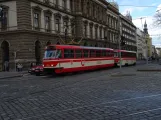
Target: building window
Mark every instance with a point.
(82, 6)
(91, 31)
(110, 37)
(36, 20)
(57, 25)
(46, 1)
(3, 22)
(73, 28)
(114, 38)
(65, 26)
(100, 33)
(88, 8)
(71, 6)
(56, 3)
(94, 10)
(105, 34)
(47, 23)
(96, 33)
(64, 4)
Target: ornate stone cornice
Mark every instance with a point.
(48, 12)
(37, 8)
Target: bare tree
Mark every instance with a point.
(157, 19)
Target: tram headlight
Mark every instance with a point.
(52, 65)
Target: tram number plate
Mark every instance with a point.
(98, 62)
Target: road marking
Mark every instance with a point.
(143, 112)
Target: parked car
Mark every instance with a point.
(32, 70)
(39, 70)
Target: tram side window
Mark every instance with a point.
(98, 53)
(122, 54)
(112, 53)
(115, 54)
(104, 53)
(68, 53)
(92, 53)
(108, 53)
(78, 53)
(86, 53)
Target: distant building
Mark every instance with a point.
(141, 44)
(154, 52)
(148, 41)
(158, 50)
(128, 32)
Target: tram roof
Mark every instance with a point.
(125, 51)
(79, 47)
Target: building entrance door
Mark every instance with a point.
(5, 56)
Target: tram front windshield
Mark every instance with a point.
(50, 53)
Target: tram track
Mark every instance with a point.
(60, 82)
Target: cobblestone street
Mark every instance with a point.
(93, 95)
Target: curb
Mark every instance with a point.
(14, 76)
(152, 70)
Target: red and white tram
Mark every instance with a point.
(127, 57)
(70, 58)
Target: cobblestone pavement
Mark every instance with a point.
(85, 96)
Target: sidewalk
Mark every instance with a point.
(149, 67)
(11, 74)
(133, 71)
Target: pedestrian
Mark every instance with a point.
(18, 67)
